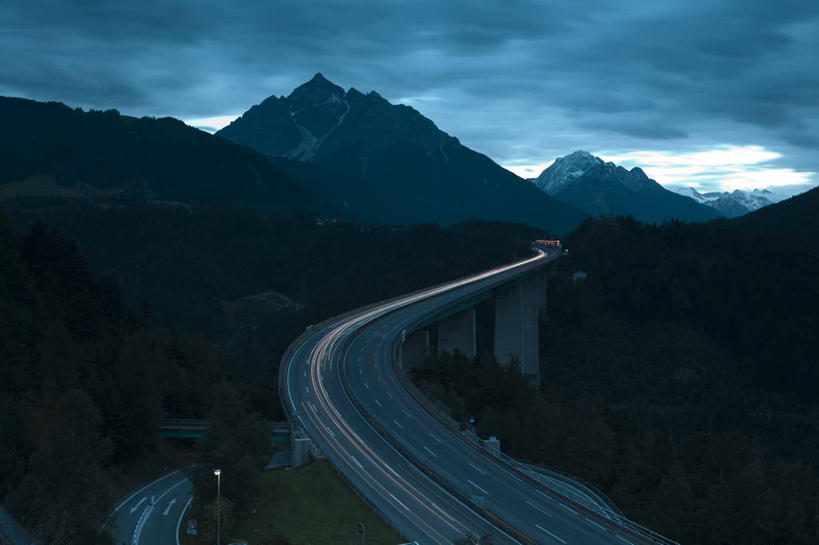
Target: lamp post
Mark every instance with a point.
(218, 473)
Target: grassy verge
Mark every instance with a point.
(311, 505)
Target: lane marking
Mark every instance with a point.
(134, 508)
(329, 430)
(590, 521)
(168, 509)
(567, 508)
(435, 437)
(542, 529)
(397, 423)
(478, 487)
(367, 386)
(313, 407)
(476, 468)
(306, 389)
(545, 495)
(444, 513)
(129, 498)
(406, 413)
(548, 514)
(377, 402)
(356, 461)
(182, 514)
(426, 449)
(623, 539)
(400, 502)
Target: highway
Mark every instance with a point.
(152, 514)
(338, 383)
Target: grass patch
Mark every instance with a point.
(311, 505)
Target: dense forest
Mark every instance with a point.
(679, 377)
(251, 283)
(84, 385)
(92, 359)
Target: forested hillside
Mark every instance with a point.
(47, 148)
(219, 270)
(84, 385)
(680, 377)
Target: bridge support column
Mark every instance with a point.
(300, 449)
(542, 293)
(457, 332)
(415, 348)
(516, 326)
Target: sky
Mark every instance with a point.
(713, 94)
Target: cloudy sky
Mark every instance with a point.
(717, 94)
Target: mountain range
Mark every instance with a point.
(602, 188)
(50, 150)
(387, 163)
(732, 204)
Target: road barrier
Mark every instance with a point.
(141, 523)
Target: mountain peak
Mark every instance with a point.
(318, 85)
(600, 188)
(578, 154)
(565, 170)
(733, 203)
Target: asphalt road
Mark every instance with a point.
(429, 482)
(164, 500)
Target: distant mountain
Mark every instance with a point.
(734, 203)
(387, 163)
(601, 189)
(49, 149)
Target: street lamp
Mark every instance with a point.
(218, 473)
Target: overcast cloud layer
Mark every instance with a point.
(662, 85)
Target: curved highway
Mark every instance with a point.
(338, 384)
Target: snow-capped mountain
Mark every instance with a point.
(733, 203)
(565, 170)
(603, 189)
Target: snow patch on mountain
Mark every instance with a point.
(732, 203)
(565, 170)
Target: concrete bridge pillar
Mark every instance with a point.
(415, 348)
(516, 325)
(542, 294)
(457, 332)
(300, 449)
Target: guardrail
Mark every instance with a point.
(143, 518)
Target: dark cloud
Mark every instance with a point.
(520, 80)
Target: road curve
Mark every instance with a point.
(152, 514)
(338, 385)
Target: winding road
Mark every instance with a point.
(152, 514)
(338, 383)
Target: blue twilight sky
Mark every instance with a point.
(718, 94)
